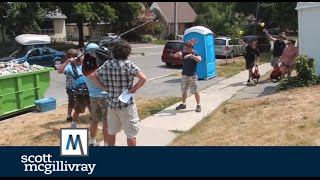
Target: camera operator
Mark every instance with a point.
(73, 67)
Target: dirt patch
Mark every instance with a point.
(43, 129)
(289, 118)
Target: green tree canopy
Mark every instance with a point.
(87, 12)
(21, 17)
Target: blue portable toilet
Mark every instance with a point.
(205, 47)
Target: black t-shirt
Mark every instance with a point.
(189, 65)
(250, 54)
(278, 48)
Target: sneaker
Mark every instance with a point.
(73, 125)
(69, 119)
(248, 82)
(198, 108)
(181, 106)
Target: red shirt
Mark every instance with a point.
(289, 55)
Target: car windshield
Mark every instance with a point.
(220, 42)
(263, 41)
(19, 53)
(174, 45)
(246, 39)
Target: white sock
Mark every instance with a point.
(93, 140)
(183, 103)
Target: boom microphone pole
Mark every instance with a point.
(94, 58)
(155, 19)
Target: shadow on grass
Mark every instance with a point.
(269, 90)
(54, 128)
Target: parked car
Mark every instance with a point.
(263, 43)
(180, 37)
(33, 50)
(171, 47)
(110, 35)
(225, 46)
(107, 42)
(44, 56)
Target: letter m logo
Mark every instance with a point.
(74, 142)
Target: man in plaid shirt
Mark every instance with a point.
(118, 75)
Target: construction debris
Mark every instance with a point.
(8, 68)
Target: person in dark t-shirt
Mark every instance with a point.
(278, 46)
(250, 54)
(189, 75)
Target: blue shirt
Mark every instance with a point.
(189, 65)
(75, 82)
(94, 90)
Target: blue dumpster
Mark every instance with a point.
(206, 69)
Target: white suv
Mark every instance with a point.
(225, 46)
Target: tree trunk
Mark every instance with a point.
(80, 29)
(2, 33)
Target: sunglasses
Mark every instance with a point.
(289, 43)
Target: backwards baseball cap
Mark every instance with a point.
(91, 46)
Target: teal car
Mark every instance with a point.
(44, 56)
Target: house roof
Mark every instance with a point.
(303, 5)
(55, 15)
(185, 13)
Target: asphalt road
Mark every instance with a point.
(160, 82)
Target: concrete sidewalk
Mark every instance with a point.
(157, 130)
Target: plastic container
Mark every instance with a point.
(19, 91)
(206, 68)
(46, 104)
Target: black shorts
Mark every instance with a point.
(249, 64)
(71, 98)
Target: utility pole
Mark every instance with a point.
(256, 21)
(175, 21)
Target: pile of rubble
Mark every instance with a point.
(8, 68)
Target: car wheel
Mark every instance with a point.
(57, 63)
(232, 54)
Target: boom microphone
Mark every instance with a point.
(94, 58)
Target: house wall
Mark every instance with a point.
(99, 31)
(72, 30)
(181, 28)
(308, 34)
(59, 30)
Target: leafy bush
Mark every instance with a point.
(148, 38)
(306, 75)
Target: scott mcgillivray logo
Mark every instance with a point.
(44, 163)
(74, 142)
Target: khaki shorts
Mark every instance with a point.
(98, 108)
(126, 118)
(81, 103)
(189, 82)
